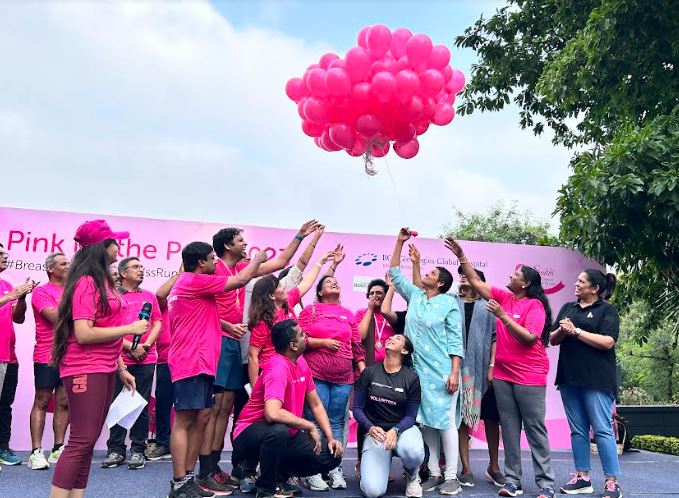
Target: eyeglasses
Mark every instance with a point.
(134, 267)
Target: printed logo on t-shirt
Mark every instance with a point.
(516, 316)
(343, 317)
(399, 389)
(589, 315)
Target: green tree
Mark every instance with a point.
(602, 75)
(500, 223)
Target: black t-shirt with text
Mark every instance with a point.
(388, 394)
(583, 365)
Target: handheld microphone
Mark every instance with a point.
(144, 314)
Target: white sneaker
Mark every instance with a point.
(54, 456)
(316, 483)
(337, 478)
(413, 486)
(37, 460)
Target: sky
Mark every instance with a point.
(177, 110)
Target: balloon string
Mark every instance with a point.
(396, 194)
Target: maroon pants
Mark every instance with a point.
(89, 398)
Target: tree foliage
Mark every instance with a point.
(500, 223)
(602, 75)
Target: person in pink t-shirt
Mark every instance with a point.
(12, 310)
(271, 431)
(372, 319)
(519, 376)
(88, 336)
(45, 303)
(334, 349)
(232, 374)
(140, 361)
(194, 351)
(271, 304)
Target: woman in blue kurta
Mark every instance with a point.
(433, 325)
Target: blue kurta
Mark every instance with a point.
(434, 327)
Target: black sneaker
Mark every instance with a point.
(510, 489)
(203, 493)
(265, 493)
(612, 489)
(183, 491)
(137, 461)
(288, 489)
(158, 452)
(578, 485)
(112, 460)
(211, 485)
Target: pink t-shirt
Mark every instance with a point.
(332, 321)
(231, 304)
(7, 337)
(135, 300)
(282, 380)
(260, 335)
(196, 333)
(93, 358)
(44, 297)
(514, 361)
(383, 331)
(163, 342)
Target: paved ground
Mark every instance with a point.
(644, 475)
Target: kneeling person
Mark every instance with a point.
(271, 430)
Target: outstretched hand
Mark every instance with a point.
(308, 228)
(414, 254)
(404, 234)
(452, 245)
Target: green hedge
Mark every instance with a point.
(660, 444)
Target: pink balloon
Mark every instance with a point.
(337, 64)
(317, 141)
(300, 107)
(407, 150)
(444, 114)
(456, 83)
(326, 59)
(403, 131)
(440, 57)
(421, 127)
(315, 82)
(383, 86)
(337, 83)
(342, 135)
(431, 82)
(407, 84)
(361, 92)
(295, 89)
(418, 49)
(378, 40)
(429, 109)
(312, 66)
(359, 147)
(378, 150)
(383, 64)
(312, 129)
(327, 142)
(450, 99)
(361, 39)
(341, 110)
(316, 110)
(368, 125)
(399, 39)
(357, 64)
(447, 73)
(412, 109)
(403, 64)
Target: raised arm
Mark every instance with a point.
(281, 260)
(308, 252)
(247, 273)
(311, 276)
(165, 289)
(415, 260)
(385, 309)
(337, 257)
(87, 333)
(481, 287)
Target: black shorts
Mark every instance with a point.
(46, 377)
(489, 409)
(194, 393)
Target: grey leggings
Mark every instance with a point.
(519, 404)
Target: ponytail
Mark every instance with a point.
(605, 282)
(535, 291)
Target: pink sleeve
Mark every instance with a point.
(535, 318)
(359, 315)
(258, 334)
(357, 347)
(294, 297)
(275, 381)
(41, 300)
(209, 285)
(500, 295)
(310, 386)
(304, 320)
(85, 299)
(156, 315)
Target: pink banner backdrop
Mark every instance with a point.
(30, 235)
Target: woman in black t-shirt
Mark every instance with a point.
(386, 400)
(587, 330)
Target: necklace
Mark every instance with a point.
(380, 331)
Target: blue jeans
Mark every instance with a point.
(334, 398)
(587, 408)
(376, 461)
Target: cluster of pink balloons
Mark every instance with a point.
(387, 89)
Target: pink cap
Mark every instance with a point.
(93, 232)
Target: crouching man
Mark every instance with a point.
(271, 430)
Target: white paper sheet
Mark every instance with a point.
(125, 409)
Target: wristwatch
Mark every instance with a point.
(397, 430)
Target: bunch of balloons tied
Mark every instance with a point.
(386, 90)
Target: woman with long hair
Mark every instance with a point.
(587, 330)
(333, 349)
(269, 305)
(88, 339)
(521, 365)
(386, 401)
